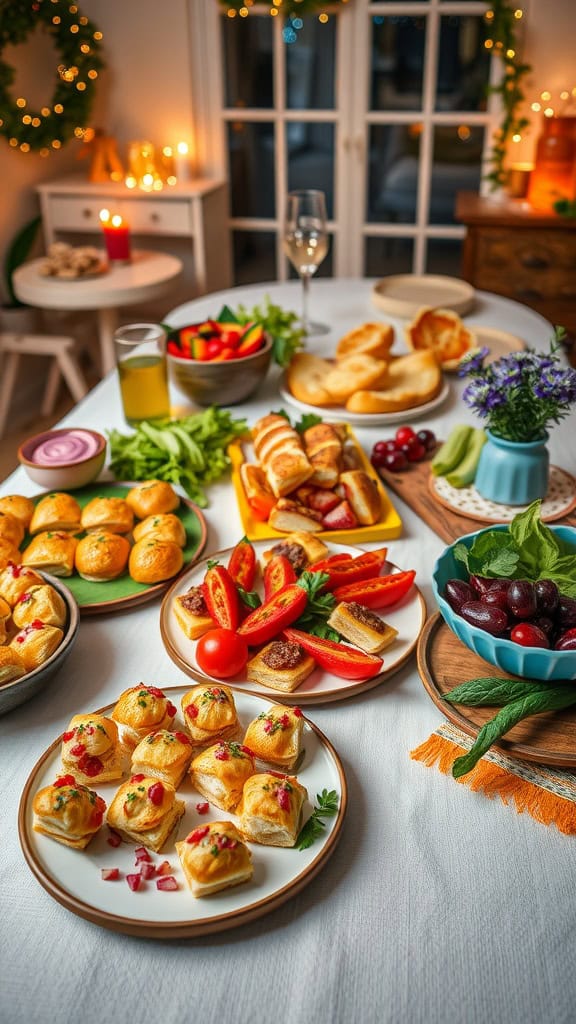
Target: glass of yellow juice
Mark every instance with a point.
(142, 372)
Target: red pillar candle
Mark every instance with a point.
(116, 237)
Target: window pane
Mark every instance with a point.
(254, 255)
(457, 155)
(310, 57)
(387, 256)
(444, 256)
(311, 158)
(463, 65)
(326, 267)
(248, 61)
(393, 173)
(397, 62)
(251, 162)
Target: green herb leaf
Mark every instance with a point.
(248, 597)
(308, 419)
(282, 325)
(491, 690)
(227, 316)
(318, 607)
(326, 807)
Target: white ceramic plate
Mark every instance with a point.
(500, 343)
(404, 295)
(338, 414)
(73, 877)
(407, 617)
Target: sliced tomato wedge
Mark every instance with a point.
(364, 567)
(325, 563)
(381, 592)
(221, 597)
(242, 564)
(337, 658)
(265, 622)
(279, 572)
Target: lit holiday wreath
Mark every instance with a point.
(78, 43)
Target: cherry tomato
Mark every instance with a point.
(529, 635)
(214, 348)
(404, 434)
(221, 653)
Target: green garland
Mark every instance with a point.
(501, 27)
(77, 41)
(287, 8)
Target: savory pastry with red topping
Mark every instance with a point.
(68, 812)
(152, 498)
(9, 552)
(276, 736)
(18, 506)
(141, 710)
(113, 515)
(163, 754)
(213, 857)
(281, 665)
(40, 602)
(52, 551)
(162, 527)
(210, 714)
(15, 580)
(36, 643)
(11, 665)
(220, 772)
(270, 811)
(145, 811)
(5, 616)
(91, 749)
(102, 556)
(192, 614)
(152, 561)
(11, 528)
(57, 511)
(362, 627)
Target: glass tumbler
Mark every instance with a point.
(142, 372)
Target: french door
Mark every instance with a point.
(383, 107)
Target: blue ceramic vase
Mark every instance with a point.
(513, 472)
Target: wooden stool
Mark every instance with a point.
(61, 350)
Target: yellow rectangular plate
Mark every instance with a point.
(388, 527)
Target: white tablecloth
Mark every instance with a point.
(438, 905)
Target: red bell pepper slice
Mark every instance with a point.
(242, 564)
(326, 563)
(279, 572)
(381, 592)
(364, 567)
(265, 622)
(221, 597)
(337, 658)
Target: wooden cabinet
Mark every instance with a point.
(518, 252)
(196, 212)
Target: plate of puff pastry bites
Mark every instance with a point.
(116, 545)
(182, 811)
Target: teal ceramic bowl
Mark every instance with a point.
(527, 662)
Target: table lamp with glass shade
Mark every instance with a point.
(306, 243)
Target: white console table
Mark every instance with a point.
(196, 211)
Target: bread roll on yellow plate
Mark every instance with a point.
(374, 339)
(57, 511)
(18, 506)
(145, 811)
(15, 580)
(68, 812)
(152, 561)
(11, 528)
(214, 857)
(36, 643)
(40, 602)
(166, 526)
(270, 811)
(288, 515)
(363, 495)
(412, 380)
(275, 736)
(102, 556)
(152, 498)
(52, 551)
(163, 754)
(111, 514)
(306, 379)
(91, 749)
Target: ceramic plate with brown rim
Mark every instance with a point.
(74, 877)
(321, 687)
(444, 662)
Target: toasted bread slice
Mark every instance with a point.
(287, 470)
(412, 381)
(375, 339)
(305, 379)
(288, 516)
(363, 494)
(354, 373)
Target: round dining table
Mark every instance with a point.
(437, 906)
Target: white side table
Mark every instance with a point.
(146, 277)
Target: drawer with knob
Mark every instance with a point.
(145, 216)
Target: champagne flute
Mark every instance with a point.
(306, 243)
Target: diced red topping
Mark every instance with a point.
(65, 780)
(167, 884)
(192, 711)
(222, 754)
(297, 712)
(23, 598)
(78, 749)
(203, 808)
(156, 793)
(182, 737)
(155, 691)
(36, 624)
(67, 736)
(114, 839)
(147, 869)
(285, 721)
(278, 775)
(109, 874)
(141, 854)
(134, 881)
(89, 730)
(170, 710)
(164, 868)
(137, 778)
(267, 724)
(198, 834)
(90, 766)
(246, 750)
(226, 843)
(283, 798)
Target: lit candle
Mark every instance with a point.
(116, 236)
(182, 162)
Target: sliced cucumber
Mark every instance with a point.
(465, 471)
(452, 451)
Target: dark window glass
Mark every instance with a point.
(444, 256)
(254, 255)
(251, 163)
(311, 158)
(388, 256)
(393, 173)
(248, 61)
(463, 64)
(398, 44)
(456, 166)
(310, 60)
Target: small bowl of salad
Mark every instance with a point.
(507, 594)
(218, 362)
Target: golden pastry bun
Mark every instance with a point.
(206, 873)
(443, 333)
(412, 380)
(152, 561)
(163, 754)
(165, 526)
(9, 552)
(152, 498)
(36, 643)
(363, 495)
(141, 710)
(219, 773)
(270, 811)
(210, 714)
(111, 514)
(145, 811)
(18, 506)
(57, 511)
(11, 665)
(15, 580)
(374, 339)
(11, 528)
(40, 602)
(362, 627)
(281, 665)
(91, 749)
(306, 379)
(52, 552)
(68, 812)
(102, 556)
(275, 736)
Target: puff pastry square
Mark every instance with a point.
(40, 602)
(192, 614)
(163, 754)
(15, 580)
(145, 811)
(214, 857)
(91, 749)
(210, 714)
(141, 710)
(270, 811)
(68, 812)
(220, 772)
(276, 736)
(36, 643)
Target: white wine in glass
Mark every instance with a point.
(306, 243)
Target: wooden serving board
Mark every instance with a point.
(412, 487)
(445, 662)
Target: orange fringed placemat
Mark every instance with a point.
(547, 794)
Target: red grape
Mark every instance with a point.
(566, 642)
(395, 461)
(529, 635)
(522, 599)
(404, 434)
(416, 452)
(427, 438)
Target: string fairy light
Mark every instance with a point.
(501, 23)
(288, 9)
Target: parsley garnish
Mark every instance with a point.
(326, 807)
(319, 606)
